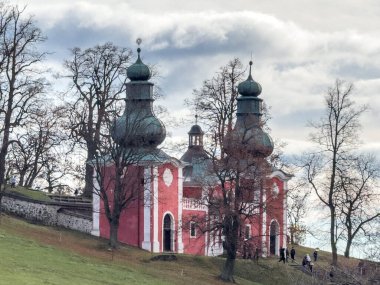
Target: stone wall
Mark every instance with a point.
(46, 213)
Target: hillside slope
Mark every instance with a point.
(33, 254)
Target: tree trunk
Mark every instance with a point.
(231, 228)
(332, 237)
(88, 188)
(228, 270)
(1, 198)
(292, 235)
(114, 229)
(348, 247)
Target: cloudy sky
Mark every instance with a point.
(299, 48)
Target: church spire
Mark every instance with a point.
(138, 126)
(196, 135)
(248, 127)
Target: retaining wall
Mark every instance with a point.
(47, 213)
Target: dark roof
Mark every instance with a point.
(195, 130)
(194, 153)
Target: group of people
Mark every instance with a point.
(284, 254)
(306, 261)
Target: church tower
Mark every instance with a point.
(248, 127)
(138, 127)
(152, 221)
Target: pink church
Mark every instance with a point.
(173, 186)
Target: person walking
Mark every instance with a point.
(311, 264)
(13, 181)
(292, 254)
(308, 259)
(282, 255)
(315, 254)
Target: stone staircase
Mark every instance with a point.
(319, 274)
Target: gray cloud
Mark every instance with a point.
(299, 48)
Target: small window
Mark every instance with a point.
(192, 229)
(247, 231)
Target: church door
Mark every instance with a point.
(274, 238)
(167, 233)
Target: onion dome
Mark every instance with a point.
(249, 87)
(138, 126)
(252, 139)
(138, 71)
(247, 134)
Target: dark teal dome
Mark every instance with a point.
(195, 130)
(138, 71)
(249, 87)
(247, 134)
(252, 140)
(138, 127)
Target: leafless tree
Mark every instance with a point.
(20, 79)
(119, 161)
(234, 196)
(215, 101)
(297, 210)
(237, 176)
(42, 135)
(98, 77)
(335, 136)
(358, 210)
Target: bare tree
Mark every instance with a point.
(56, 169)
(358, 213)
(98, 77)
(238, 173)
(42, 135)
(335, 136)
(297, 210)
(234, 188)
(119, 161)
(20, 81)
(215, 101)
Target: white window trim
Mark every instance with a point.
(250, 231)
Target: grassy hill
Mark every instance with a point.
(33, 254)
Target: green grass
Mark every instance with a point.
(31, 194)
(32, 254)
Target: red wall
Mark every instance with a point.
(167, 201)
(130, 221)
(193, 245)
(275, 210)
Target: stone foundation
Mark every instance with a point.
(48, 213)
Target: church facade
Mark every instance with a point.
(171, 190)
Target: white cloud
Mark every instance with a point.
(299, 47)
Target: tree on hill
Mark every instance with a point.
(20, 79)
(358, 213)
(42, 136)
(236, 184)
(215, 101)
(327, 169)
(119, 166)
(98, 77)
(297, 210)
